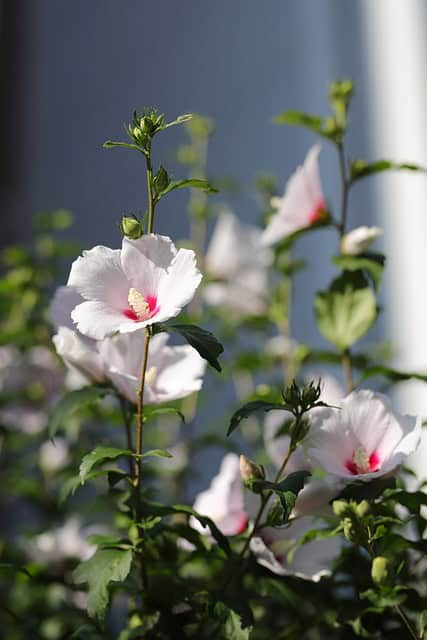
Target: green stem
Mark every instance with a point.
(150, 193)
(342, 225)
(407, 623)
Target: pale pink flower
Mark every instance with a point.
(239, 263)
(146, 281)
(359, 240)
(311, 561)
(80, 353)
(56, 545)
(223, 502)
(172, 372)
(302, 205)
(54, 455)
(363, 439)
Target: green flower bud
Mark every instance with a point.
(161, 180)
(380, 570)
(131, 227)
(340, 507)
(363, 508)
(350, 530)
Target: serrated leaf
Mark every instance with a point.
(253, 407)
(192, 183)
(107, 565)
(371, 263)
(205, 343)
(347, 310)
(231, 623)
(287, 490)
(98, 455)
(71, 402)
(361, 168)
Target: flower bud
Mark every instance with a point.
(380, 570)
(350, 530)
(359, 240)
(249, 471)
(362, 508)
(340, 507)
(131, 227)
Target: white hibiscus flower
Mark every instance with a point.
(223, 502)
(172, 372)
(237, 260)
(79, 352)
(302, 204)
(363, 439)
(146, 281)
(311, 561)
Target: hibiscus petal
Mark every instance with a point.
(178, 287)
(98, 320)
(146, 260)
(98, 275)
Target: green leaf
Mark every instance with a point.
(203, 341)
(179, 120)
(110, 144)
(299, 119)
(253, 407)
(231, 623)
(157, 453)
(287, 490)
(371, 263)
(192, 183)
(100, 454)
(422, 623)
(163, 411)
(347, 310)
(71, 402)
(359, 491)
(155, 509)
(361, 169)
(107, 565)
(392, 374)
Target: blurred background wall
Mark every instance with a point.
(73, 71)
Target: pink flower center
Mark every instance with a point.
(318, 214)
(241, 526)
(140, 307)
(360, 462)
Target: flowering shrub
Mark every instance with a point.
(313, 523)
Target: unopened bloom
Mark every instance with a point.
(238, 263)
(80, 353)
(359, 240)
(302, 205)
(363, 439)
(310, 561)
(172, 372)
(146, 281)
(223, 502)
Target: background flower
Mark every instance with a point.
(172, 372)
(237, 260)
(302, 204)
(359, 240)
(223, 502)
